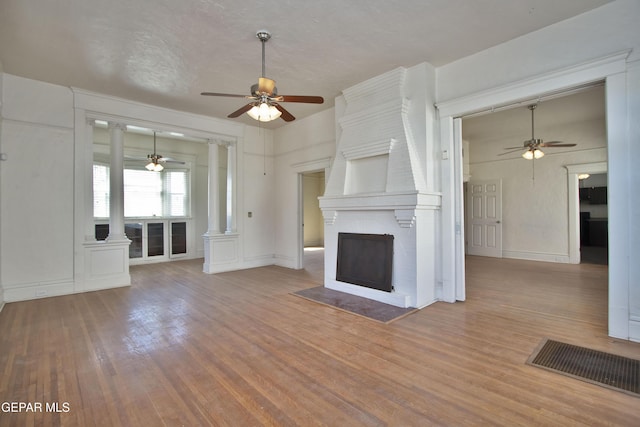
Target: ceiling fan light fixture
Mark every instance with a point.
(264, 112)
(534, 153)
(154, 166)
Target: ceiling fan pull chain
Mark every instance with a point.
(533, 171)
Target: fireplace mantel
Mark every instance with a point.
(403, 204)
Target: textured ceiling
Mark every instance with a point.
(165, 52)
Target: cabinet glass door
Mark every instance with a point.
(155, 239)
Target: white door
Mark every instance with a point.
(484, 207)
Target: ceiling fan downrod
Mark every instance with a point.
(263, 36)
(533, 140)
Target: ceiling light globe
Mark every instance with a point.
(538, 154)
(528, 155)
(150, 166)
(264, 112)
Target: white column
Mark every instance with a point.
(214, 190)
(231, 189)
(116, 183)
(89, 228)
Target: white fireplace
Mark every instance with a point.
(381, 182)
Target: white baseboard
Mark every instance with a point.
(29, 291)
(537, 256)
(285, 261)
(258, 261)
(32, 291)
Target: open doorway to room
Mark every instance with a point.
(528, 212)
(312, 234)
(536, 197)
(594, 228)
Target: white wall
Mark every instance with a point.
(535, 202)
(633, 176)
(602, 31)
(36, 229)
(257, 191)
(303, 146)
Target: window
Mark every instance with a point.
(100, 191)
(146, 194)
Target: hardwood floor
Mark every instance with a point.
(180, 347)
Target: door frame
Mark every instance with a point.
(613, 70)
(318, 165)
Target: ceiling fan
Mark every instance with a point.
(264, 105)
(155, 161)
(532, 146)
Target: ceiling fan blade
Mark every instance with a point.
(556, 144)
(225, 94)
(266, 85)
(286, 116)
(174, 161)
(240, 111)
(515, 150)
(299, 98)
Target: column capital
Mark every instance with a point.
(222, 141)
(116, 125)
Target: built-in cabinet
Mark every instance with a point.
(152, 239)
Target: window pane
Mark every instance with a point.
(146, 194)
(142, 193)
(177, 187)
(100, 191)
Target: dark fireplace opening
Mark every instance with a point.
(365, 260)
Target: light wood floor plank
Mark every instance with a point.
(180, 347)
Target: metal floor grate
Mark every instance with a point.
(609, 370)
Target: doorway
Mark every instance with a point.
(312, 186)
(537, 195)
(612, 69)
(594, 221)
